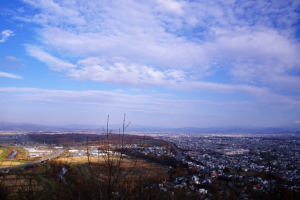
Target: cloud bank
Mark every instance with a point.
(200, 38)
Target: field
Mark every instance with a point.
(3, 153)
(126, 163)
(15, 163)
(17, 160)
(15, 183)
(5, 164)
(22, 153)
(80, 160)
(146, 166)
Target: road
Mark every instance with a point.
(178, 151)
(33, 162)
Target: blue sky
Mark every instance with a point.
(162, 62)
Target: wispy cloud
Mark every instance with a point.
(246, 39)
(8, 75)
(99, 70)
(263, 96)
(155, 107)
(175, 44)
(110, 100)
(6, 34)
(228, 58)
(149, 105)
(54, 63)
(13, 62)
(260, 54)
(12, 59)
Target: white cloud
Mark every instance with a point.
(8, 75)
(54, 13)
(6, 34)
(54, 63)
(170, 6)
(238, 49)
(90, 69)
(128, 30)
(297, 122)
(98, 69)
(259, 54)
(251, 41)
(12, 59)
(160, 49)
(119, 73)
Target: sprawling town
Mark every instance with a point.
(245, 156)
(209, 165)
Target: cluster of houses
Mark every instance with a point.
(246, 155)
(38, 152)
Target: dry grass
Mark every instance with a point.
(20, 183)
(1, 151)
(10, 176)
(26, 182)
(26, 188)
(6, 163)
(145, 166)
(8, 182)
(15, 163)
(80, 160)
(126, 163)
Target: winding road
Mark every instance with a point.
(33, 162)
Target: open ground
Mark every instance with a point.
(126, 163)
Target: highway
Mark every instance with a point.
(33, 162)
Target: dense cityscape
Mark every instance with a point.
(206, 165)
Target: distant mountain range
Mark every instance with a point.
(26, 127)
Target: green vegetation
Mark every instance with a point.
(3, 154)
(81, 169)
(24, 152)
(48, 185)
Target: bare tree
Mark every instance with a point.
(118, 176)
